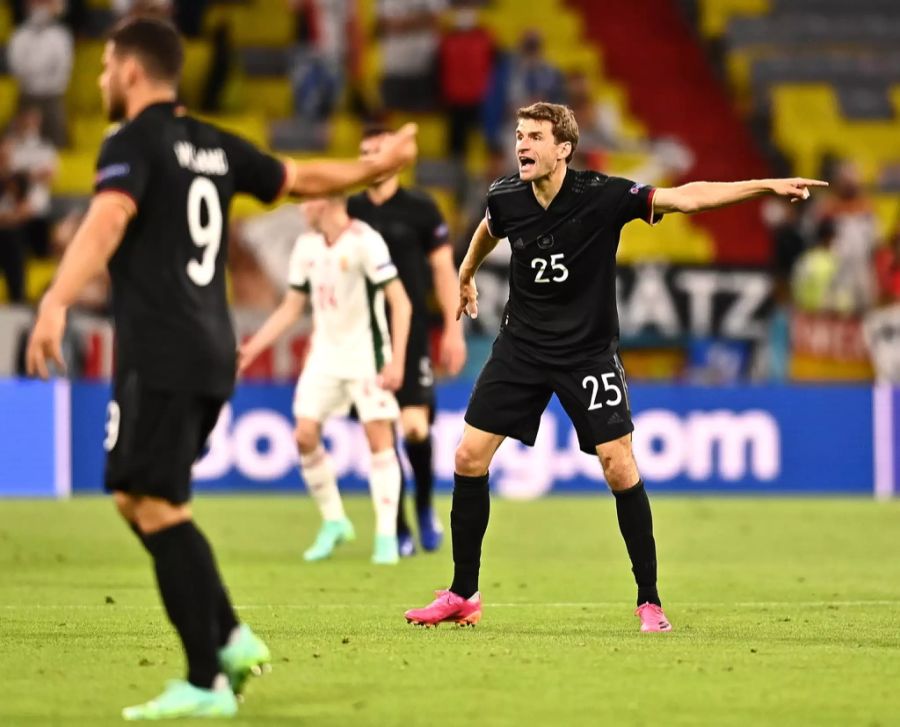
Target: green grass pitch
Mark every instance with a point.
(786, 612)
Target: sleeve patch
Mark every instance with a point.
(111, 172)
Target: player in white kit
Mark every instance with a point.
(344, 269)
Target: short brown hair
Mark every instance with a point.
(561, 118)
(155, 43)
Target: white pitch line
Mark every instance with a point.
(561, 604)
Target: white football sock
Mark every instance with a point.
(317, 470)
(384, 486)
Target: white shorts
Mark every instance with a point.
(319, 396)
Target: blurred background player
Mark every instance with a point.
(159, 219)
(416, 235)
(345, 270)
(560, 335)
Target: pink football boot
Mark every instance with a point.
(447, 607)
(652, 618)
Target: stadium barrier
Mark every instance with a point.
(746, 440)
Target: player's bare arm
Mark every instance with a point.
(479, 248)
(700, 196)
(282, 318)
(322, 177)
(98, 237)
(391, 375)
(453, 343)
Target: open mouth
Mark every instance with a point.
(525, 163)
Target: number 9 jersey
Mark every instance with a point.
(173, 327)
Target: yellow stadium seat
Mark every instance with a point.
(887, 211)
(38, 276)
(9, 98)
(76, 173)
(716, 14)
(345, 134)
(254, 23)
(197, 58)
(88, 132)
(83, 96)
(677, 242)
(432, 137)
(6, 22)
(270, 96)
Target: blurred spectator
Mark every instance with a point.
(785, 223)
(40, 58)
(409, 35)
(814, 279)
(466, 66)
(601, 131)
(532, 77)
(887, 270)
(326, 33)
(189, 16)
(14, 214)
(855, 239)
(37, 159)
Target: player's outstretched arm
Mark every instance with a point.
(327, 176)
(95, 241)
(282, 318)
(391, 375)
(453, 343)
(700, 196)
(479, 248)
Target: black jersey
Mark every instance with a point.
(562, 292)
(413, 227)
(173, 326)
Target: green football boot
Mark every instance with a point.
(332, 533)
(386, 551)
(182, 699)
(244, 655)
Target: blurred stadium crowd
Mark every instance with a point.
(715, 89)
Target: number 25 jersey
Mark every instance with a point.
(562, 291)
(173, 326)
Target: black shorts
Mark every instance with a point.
(418, 378)
(153, 438)
(512, 392)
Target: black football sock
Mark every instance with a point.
(419, 454)
(402, 523)
(190, 589)
(468, 523)
(636, 526)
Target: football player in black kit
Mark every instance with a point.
(416, 235)
(559, 335)
(159, 219)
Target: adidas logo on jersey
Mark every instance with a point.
(616, 418)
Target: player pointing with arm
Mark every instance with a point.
(560, 336)
(344, 269)
(159, 220)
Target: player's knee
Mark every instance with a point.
(470, 462)
(380, 435)
(125, 504)
(153, 514)
(307, 438)
(414, 423)
(619, 467)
